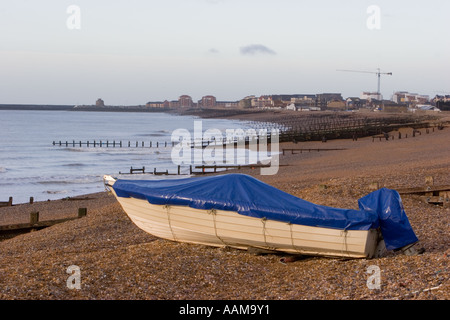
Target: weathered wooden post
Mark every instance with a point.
(31, 200)
(10, 201)
(34, 217)
(82, 212)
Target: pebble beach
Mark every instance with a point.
(119, 261)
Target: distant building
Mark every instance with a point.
(246, 102)
(158, 104)
(185, 101)
(336, 105)
(264, 101)
(307, 99)
(322, 99)
(99, 103)
(355, 103)
(227, 104)
(442, 102)
(371, 96)
(174, 104)
(207, 102)
(410, 99)
(282, 100)
(391, 106)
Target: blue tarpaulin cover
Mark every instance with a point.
(248, 196)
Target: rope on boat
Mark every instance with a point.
(263, 220)
(345, 246)
(213, 212)
(167, 207)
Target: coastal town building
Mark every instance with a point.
(306, 100)
(264, 101)
(185, 101)
(337, 105)
(392, 106)
(402, 101)
(442, 102)
(355, 103)
(99, 103)
(322, 99)
(246, 102)
(207, 102)
(227, 104)
(158, 104)
(366, 95)
(411, 99)
(174, 104)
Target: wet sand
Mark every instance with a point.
(117, 260)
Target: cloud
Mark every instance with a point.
(254, 49)
(213, 50)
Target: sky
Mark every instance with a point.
(135, 51)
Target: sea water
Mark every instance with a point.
(31, 166)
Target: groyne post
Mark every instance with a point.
(34, 217)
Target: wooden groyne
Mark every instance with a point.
(155, 144)
(329, 128)
(198, 169)
(295, 127)
(11, 230)
(113, 144)
(8, 203)
(301, 150)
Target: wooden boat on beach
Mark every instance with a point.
(242, 212)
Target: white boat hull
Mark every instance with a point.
(226, 228)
